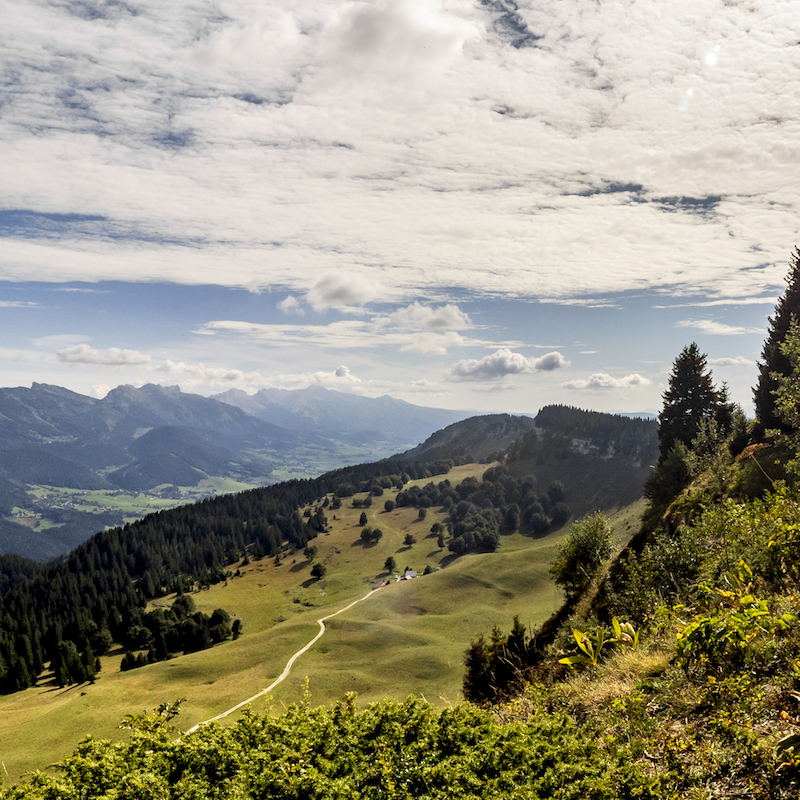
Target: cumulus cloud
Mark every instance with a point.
(419, 317)
(112, 357)
(341, 377)
(603, 381)
(291, 305)
(341, 289)
(716, 328)
(731, 361)
(502, 363)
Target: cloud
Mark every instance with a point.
(502, 363)
(341, 289)
(113, 356)
(429, 343)
(353, 334)
(420, 317)
(341, 377)
(603, 381)
(731, 361)
(17, 304)
(728, 301)
(82, 290)
(330, 137)
(549, 362)
(579, 301)
(200, 372)
(716, 328)
(291, 305)
(394, 40)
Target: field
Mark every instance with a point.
(408, 638)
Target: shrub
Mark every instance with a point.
(580, 556)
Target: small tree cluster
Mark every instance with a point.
(370, 535)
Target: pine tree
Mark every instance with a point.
(774, 362)
(689, 399)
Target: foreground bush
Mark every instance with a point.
(390, 750)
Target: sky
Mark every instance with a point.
(471, 204)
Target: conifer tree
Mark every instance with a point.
(689, 399)
(775, 363)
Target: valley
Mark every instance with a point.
(72, 465)
(409, 638)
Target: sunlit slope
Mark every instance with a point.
(408, 638)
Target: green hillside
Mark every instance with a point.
(409, 638)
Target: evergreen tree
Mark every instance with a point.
(775, 363)
(689, 399)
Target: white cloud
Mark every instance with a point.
(502, 363)
(425, 385)
(603, 381)
(429, 343)
(579, 301)
(420, 317)
(59, 340)
(357, 334)
(392, 46)
(728, 301)
(17, 304)
(339, 378)
(100, 390)
(200, 372)
(716, 328)
(731, 361)
(291, 305)
(113, 356)
(394, 139)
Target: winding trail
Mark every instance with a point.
(288, 667)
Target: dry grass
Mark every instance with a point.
(618, 676)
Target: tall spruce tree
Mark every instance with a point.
(691, 403)
(689, 399)
(773, 361)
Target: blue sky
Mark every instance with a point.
(487, 205)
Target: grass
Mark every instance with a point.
(409, 638)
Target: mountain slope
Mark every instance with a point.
(471, 439)
(332, 414)
(603, 460)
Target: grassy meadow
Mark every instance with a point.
(408, 638)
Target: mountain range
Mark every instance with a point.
(72, 464)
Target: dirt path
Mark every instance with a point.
(288, 667)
